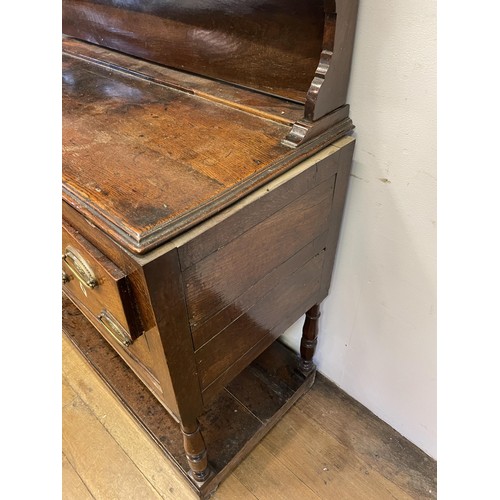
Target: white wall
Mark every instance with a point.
(377, 336)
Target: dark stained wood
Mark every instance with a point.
(235, 309)
(344, 160)
(261, 297)
(229, 227)
(220, 358)
(272, 374)
(328, 89)
(287, 320)
(138, 355)
(196, 450)
(224, 275)
(111, 291)
(149, 150)
(160, 137)
(300, 50)
(272, 46)
(260, 322)
(129, 390)
(304, 130)
(117, 254)
(230, 428)
(309, 340)
(189, 182)
(257, 103)
(172, 345)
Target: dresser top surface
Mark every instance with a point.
(144, 161)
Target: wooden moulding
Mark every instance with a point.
(232, 424)
(328, 90)
(325, 107)
(336, 123)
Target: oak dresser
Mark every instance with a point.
(206, 157)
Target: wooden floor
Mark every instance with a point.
(326, 447)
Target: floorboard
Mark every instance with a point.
(73, 486)
(103, 466)
(327, 446)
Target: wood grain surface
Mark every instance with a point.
(260, 206)
(258, 323)
(145, 162)
(224, 275)
(273, 46)
(257, 103)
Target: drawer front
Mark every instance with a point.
(100, 285)
(136, 356)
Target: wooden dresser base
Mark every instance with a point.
(232, 425)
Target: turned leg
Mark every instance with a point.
(196, 451)
(309, 340)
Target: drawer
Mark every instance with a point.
(100, 285)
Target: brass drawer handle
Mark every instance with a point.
(114, 328)
(80, 268)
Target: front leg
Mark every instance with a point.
(309, 340)
(196, 450)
